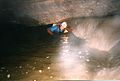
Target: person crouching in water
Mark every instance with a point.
(58, 28)
(59, 32)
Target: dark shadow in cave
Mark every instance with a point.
(19, 39)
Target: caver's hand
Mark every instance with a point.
(49, 32)
(66, 30)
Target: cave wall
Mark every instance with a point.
(49, 11)
(101, 33)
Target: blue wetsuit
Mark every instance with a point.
(55, 29)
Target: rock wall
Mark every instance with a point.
(48, 11)
(101, 33)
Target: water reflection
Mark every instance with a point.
(65, 59)
(72, 65)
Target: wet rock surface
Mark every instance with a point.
(49, 11)
(99, 32)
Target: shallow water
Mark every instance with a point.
(32, 55)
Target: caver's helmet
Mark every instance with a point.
(54, 24)
(64, 24)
